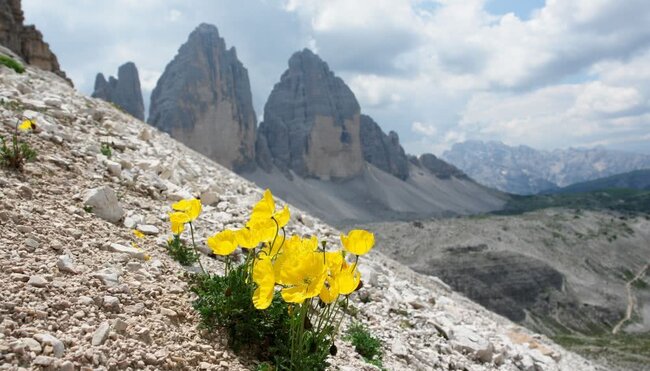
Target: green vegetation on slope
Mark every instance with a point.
(623, 200)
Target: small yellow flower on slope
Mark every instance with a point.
(138, 234)
(178, 220)
(191, 207)
(223, 243)
(358, 241)
(263, 277)
(26, 125)
(247, 238)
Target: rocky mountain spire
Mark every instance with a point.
(124, 91)
(203, 99)
(26, 41)
(381, 150)
(311, 123)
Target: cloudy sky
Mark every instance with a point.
(549, 74)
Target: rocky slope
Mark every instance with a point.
(203, 99)
(25, 40)
(556, 271)
(320, 153)
(124, 90)
(75, 295)
(524, 170)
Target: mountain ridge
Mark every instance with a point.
(525, 170)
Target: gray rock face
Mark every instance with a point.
(525, 170)
(203, 99)
(381, 150)
(124, 91)
(25, 40)
(439, 168)
(311, 123)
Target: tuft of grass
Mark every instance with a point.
(15, 155)
(368, 346)
(11, 63)
(106, 150)
(180, 252)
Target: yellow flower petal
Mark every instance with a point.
(191, 207)
(246, 238)
(330, 291)
(223, 243)
(348, 280)
(293, 294)
(138, 234)
(282, 216)
(264, 208)
(358, 241)
(264, 230)
(26, 125)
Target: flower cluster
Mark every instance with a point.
(300, 267)
(295, 272)
(15, 153)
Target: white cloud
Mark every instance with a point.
(424, 129)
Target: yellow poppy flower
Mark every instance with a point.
(178, 220)
(265, 209)
(223, 243)
(263, 277)
(348, 279)
(26, 125)
(191, 207)
(138, 234)
(304, 276)
(246, 238)
(358, 241)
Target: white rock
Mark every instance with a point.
(209, 198)
(56, 344)
(101, 334)
(111, 303)
(37, 281)
(465, 340)
(103, 202)
(131, 251)
(113, 167)
(132, 221)
(147, 229)
(108, 276)
(66, 264)
(399, 349)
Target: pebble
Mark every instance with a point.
(101, 334)
(37, 281)
(66, 264)
(147, 229)
(111, 303)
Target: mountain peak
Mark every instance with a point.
(125, 91)
(204, 99)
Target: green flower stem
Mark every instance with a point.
(195, 249)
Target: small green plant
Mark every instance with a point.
(11, 63)
(13, 155)
(88, 209)
(106, 150)
(180, 252)
(368, 346)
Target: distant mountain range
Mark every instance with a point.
(524, 170)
